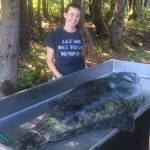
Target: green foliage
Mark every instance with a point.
(32, 72)
(103, 48)
(26, 77)
(55, 6)
(142, 23)
(101, 43)
(138, 55)
(136, 39)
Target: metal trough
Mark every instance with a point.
(21, 111)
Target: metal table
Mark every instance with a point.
(21, 111)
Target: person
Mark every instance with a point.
(69, 45)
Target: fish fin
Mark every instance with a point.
(121, 122)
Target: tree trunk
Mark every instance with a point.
(44, 8)
(130, 4)
(48, 12)
(31, 18)
(145, 3)
(98, 19)
(9, 48)
(39, 21)
(91, 9)
(117, 25)
(24, 26)
(83, 9)
(148, 3)
(137, 8)
(62, 11)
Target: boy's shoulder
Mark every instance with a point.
(57, 30)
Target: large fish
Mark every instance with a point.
(108, 102)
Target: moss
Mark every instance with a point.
(7, 87)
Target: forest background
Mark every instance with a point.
(120, 29)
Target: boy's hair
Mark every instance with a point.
(74, 5)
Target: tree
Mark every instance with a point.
(44, 9)
(24, 26)
(31, 16)
(98, 17)
(91, 9)
(117, 24)
(9, 48)
(136, 9)
(39, 19)
(62, 11)
(147, 3)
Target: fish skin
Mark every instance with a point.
(108, 102)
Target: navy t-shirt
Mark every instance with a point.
(67, 50)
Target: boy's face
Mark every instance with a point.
(72, 17)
